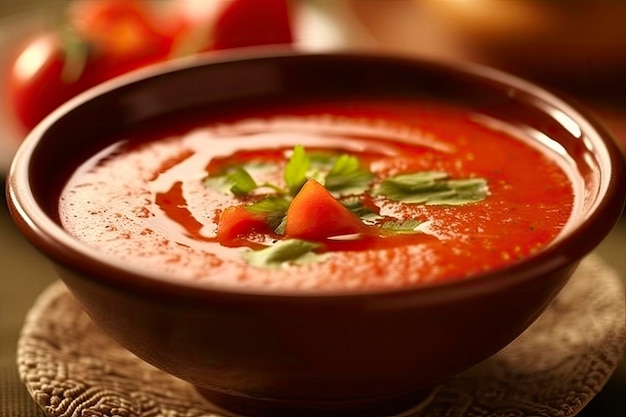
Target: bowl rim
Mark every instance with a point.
(63, 249)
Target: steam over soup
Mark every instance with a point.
(329, 195)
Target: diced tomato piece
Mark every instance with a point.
(236, 223)
(314, 214)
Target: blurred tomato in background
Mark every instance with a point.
(575, 46)
(95, 40)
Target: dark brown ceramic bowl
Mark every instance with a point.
(289, 353)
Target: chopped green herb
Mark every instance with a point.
(242, 182)
(351, 184)
(239, 181)
(218, 183)
(270, 204)
(416, 181)
(278, 224)
(407, 226)
(290, 250)
(322, 160)
(275, 210)
(356, 206)
(465, 191)
(347, 176)
(432, 188)
(295, 174)
(76, 52)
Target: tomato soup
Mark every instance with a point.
(333, 195)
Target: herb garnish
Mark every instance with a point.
(407, 226)
(365, 213)
(347, 176)
(432, 188)
(295, 174)
(274, 208)
(346, 180)
(242, 182)
(289, 250)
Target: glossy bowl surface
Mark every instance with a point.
(288, 353)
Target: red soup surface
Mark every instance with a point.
(337, 195)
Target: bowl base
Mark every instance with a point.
(239, 405)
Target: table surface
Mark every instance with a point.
(25, 274)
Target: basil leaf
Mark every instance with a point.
(432, 188)
(290, 250)
(296, 170)
(347, 176)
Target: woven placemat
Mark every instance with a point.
(555, 368)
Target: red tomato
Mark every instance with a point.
(118, 36)
(223, 24)
(113, 37)
(251, 23)
(41, 78)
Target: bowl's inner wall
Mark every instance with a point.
(202, 91)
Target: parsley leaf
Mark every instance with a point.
(275, 210)
(432, 188)
(416, 181)
(242, 182)
(270, 204)
(347, 176)
(219, 183)
(351, 183)
(278, 224)
(295, 174)
(239, 181)
(290, 250)
(365, 213)
(463, 191)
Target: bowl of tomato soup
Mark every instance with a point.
(316, 234)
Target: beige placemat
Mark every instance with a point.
(554, 369)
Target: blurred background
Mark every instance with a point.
(576, 48)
